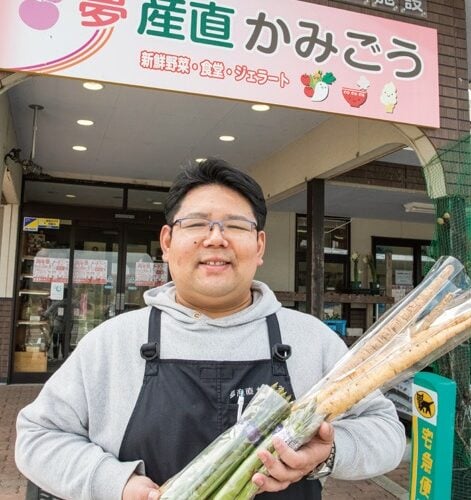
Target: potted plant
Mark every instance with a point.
(374, 283)
(355, 284)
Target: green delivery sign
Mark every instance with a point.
(433, 422)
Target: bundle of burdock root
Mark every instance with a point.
(431, 320)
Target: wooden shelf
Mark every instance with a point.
(340, 298)
(31, 323)
(357, 298)
(35, 292)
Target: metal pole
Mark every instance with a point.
(35, 108)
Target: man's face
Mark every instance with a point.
(213, 272)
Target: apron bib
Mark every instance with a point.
(183, 405)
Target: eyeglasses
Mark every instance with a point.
(198, 226)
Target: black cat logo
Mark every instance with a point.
(424, 404)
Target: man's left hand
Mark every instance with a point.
(291, 466)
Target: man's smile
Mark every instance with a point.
(215, 262)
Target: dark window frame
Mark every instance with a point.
(413, 243)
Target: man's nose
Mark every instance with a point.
(216, 234)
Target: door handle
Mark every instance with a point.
(118, 302)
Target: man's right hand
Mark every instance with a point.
(140, 488)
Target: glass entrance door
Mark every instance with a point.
(144, 268)
(113, 267)
(73, 279)
(96, 259)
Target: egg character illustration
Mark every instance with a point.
(321, 91)
(389, 97)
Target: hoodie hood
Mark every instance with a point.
(264, 303)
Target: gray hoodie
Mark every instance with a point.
(69, 437)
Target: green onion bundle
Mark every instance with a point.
(203, 475)
(430, 321)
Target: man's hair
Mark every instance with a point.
(219, 172)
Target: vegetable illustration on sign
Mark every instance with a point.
(316, 85)
(39, 14)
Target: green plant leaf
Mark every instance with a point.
(329, 78)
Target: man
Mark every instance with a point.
(146, 391)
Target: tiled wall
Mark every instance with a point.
(6, 312)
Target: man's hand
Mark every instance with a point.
(291, 466)
(140, 488)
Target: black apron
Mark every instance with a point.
(184, 405)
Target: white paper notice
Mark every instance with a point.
(144, 274)
(160, 273)
(41, 270)
(57, 291)
(59, 270)
(403, 277)
(90, 271)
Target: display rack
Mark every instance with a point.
(32, 329)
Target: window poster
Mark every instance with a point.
(90, 271)
(160, 273)
(41, 270)
(59, 270)
(151, 273)
(144, 274)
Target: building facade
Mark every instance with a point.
(341, 149)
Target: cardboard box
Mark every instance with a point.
(30, 362)
(354, 332)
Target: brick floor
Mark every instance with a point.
(13, 484)
(12, 399)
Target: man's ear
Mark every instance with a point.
(165, 241)
(261, 241)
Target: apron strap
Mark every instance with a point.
(279, 352)
(151, 350)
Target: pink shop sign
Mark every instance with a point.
(290, 53)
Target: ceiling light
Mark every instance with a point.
(260, 107)
(93, 85)
(156, 203)
(70, 196)
(199, 160)
(85, 123)
(418, 207)
(408, 148)
(226, 138)
(79, 148)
